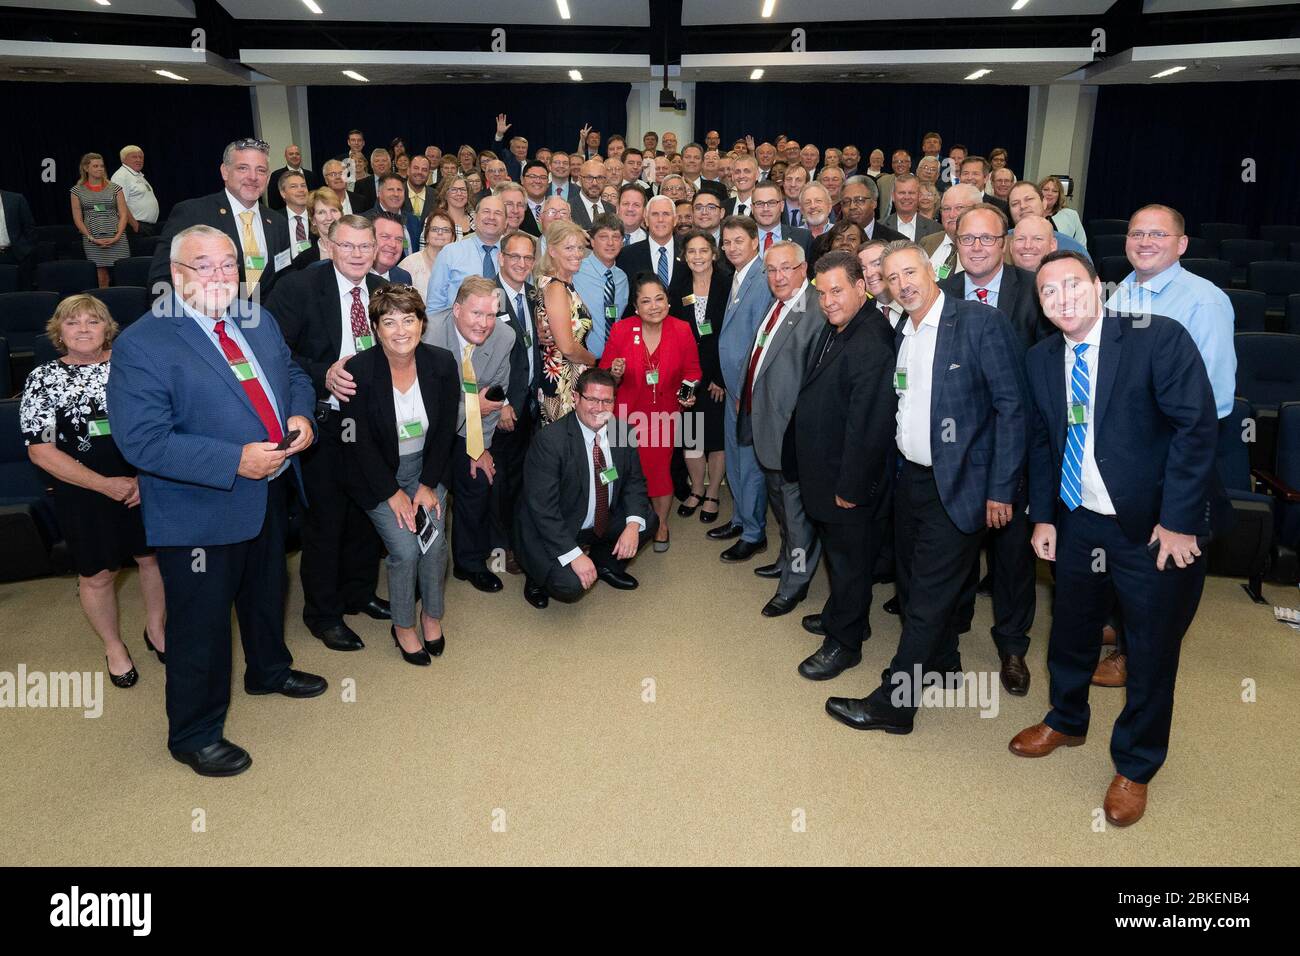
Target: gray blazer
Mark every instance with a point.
(491, 363)
(780, 376)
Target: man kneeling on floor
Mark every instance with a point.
(584, 512)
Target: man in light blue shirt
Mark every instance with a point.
(598, 277)
(476, 255)
(1159, 285)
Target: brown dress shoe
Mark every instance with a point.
(1112, 670)
(1015, 675)
(1126, 801)
(1040, 740)
(512, 566)
(1108, 635)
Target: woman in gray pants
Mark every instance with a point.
(404, 420)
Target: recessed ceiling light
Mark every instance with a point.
(1019, 4)
(979, 73)
(354, 75)
(172, 76)
(757, 74)
(575, 75)
(768, 7)
(103, 3)
(564, 8)
(311, 5)
(1169, 72)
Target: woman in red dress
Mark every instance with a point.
(651, 354)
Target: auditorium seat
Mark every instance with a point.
(1283, 237)
(1105, 245)
(144, 245)
(1216, 270)
(126, 303)
(1293, 314)
(6, 374)
(28, 530)
(1240, 253)
(1283, 480)
(66, 277)
(1268, 374)
(1242, 543)
(1216, 232)
(66, 241)
(1114, 268)
(132, 271)
(8, 279)
(1198, 248)
(1247, 310)
(43, 350)
(23, 316)
(1276, 280)
(1295, 252)
(1108, 227)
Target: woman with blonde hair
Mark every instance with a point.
(562, 319)
(323, 208)
(99, 212)
(64, 420)
(1062, 216)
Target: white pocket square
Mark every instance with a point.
(953, 366)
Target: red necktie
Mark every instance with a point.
(602, 489)
(252, 387)
(767, 242)
(758, 354)
(982, 294)
(359, 326)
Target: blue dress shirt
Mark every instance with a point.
(454, 263)
(589, 280)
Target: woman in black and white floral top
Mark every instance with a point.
(64, 420)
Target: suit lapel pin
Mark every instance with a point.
(222, 210)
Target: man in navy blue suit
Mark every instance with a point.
(1123, 447)
(209, 405)
(960, 430)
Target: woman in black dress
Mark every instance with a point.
(699, 297)
(64, 421)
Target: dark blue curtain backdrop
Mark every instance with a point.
(887, 116)
(449, 115)
(182, 129)
(1183, 145)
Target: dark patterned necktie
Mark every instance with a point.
(602, 489)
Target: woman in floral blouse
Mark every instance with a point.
(562, 320)
(64, 419)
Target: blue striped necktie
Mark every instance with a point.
(1076, 434)
(662, 268)
(609, 302)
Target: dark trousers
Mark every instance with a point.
(1157, 608)
(201, 583)
(1012, 569)
(562, 582)
(340, 548)
(508, 452)
(471, 506)
(801, 550)
(934, 559)
(850, 550)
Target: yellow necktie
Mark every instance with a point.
(417, 204)
(473, 419)
(251, 248)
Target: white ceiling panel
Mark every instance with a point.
(1008, 66)
(1204, 62)
(104, 63)
(583, 13)
(325, 67)
(747, 12)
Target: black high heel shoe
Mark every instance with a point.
(708, 517)
(162, 655)
(420, 657)
(122, 680)
(435, 648)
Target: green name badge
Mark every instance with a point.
(1078, 413)
(608, 475)
(943, 271)
(652, 376)
(254, 262)
(471, 388)
(408, 430)
(98, 427)
(100, 207)
(611, 312)
(705, 327)
(364, 342)
(762, 340)
(243, 371)
(900, 379)
(304, 245)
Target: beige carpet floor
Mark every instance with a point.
(531, 742)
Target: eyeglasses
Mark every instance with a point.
(250, 143)
(516, 257)
(536, 177)
(457, 189)
(982, 240)
(706, 206)
(1157, 234)
(785, 271)
(440, 231)
(767, 203)
(599, 402)
(349, 248)
(856, 200)
(206, 270)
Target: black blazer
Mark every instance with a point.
(842, 429)
(715, 187)
(19, 224)
(634, 258)
(1017, 300)
(558, 479)
(214, 210)
(885, 234)
(719, 289)
(521, 392)
(307, 306)
(372, 457)
(308, 257)
(529, 225)
(273, 198)
(363, 194)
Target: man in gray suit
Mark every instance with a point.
(906, 218)
(586, 204)
(777, 362)
(747, 303)
(481, 347)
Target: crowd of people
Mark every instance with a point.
(513, 360)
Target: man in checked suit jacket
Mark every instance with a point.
(202, 392)
(236, 211)
(746, 306)
(560, 516)
(1129, 398)
(961, 433)
(779, 358)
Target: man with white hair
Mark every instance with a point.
(658, 252)
(141, 202)
(815, 208)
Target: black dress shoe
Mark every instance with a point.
(376, 607)
(617, 579)
(743, 550)
(536, 595)
(725, 533)
(222, 759)
(435, 648)
(162, 655)
(297, 684)
(124, 681)
(784, 605)
(485, 581)
(707, 517)
(772, 570)
(812, 623)
(1015, 675)
(855, 713)
(892, 606)
(339, 637)
(985, 586)
(830, 660)
(420, 657)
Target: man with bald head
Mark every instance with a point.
(586, 204)
(1002, 179)
(941, 246)
(1026, 199)
(1033, 239)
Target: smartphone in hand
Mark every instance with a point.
(288, 439)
